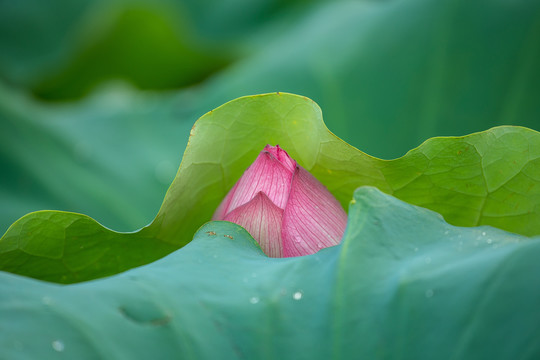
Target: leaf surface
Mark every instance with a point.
(402, 284)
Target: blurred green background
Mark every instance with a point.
(97, 97)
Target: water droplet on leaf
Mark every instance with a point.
(58, 345)
(46, 300)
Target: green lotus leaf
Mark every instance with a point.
(489, 178)
(402, 284)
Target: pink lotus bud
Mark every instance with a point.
(287, 210)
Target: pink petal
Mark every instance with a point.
(266, 174)
(313, 218)
(282, 156)
(262, 219)
(223, 208)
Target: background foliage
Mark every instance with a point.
(78, 134)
